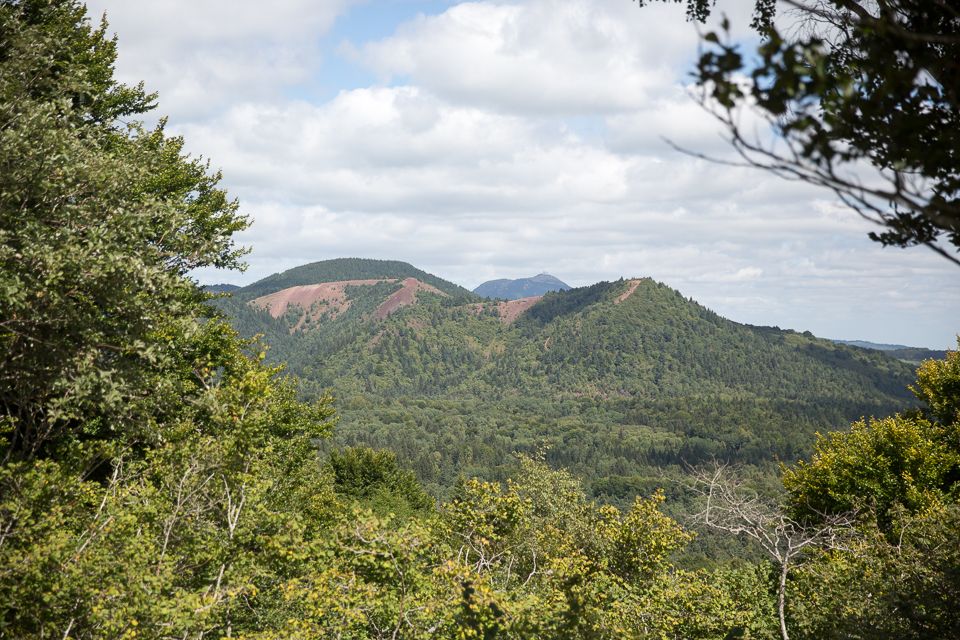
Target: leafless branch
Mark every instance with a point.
(734, 508)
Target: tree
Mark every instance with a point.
(581, 570)
(730, 506)
(910, 460)
(376, 481)
(900, 460)
(186, 537)
(845, 85)
(899, 578)
(153, 470)
(99, 223)
(938, 388)
(897, 582)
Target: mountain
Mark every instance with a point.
(521, 288)
(342, 269)
(913, 355)
(874, 345)
(616, 380)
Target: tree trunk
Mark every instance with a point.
(782, 598)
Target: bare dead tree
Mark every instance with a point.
(734, 508)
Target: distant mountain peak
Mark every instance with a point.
(875, 345)
(507, 289)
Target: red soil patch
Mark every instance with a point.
(633, 287)
(513, 309)
(330, 298)
(315, 299)
(403, 297)
(305, 296)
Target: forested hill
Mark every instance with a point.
(346, 269)
(617, 378)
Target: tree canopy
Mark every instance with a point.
(100, 221)
(148, 454)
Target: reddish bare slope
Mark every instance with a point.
(330, 298)
(511, 309)
(403, 297)
(633, 287)
(305, 297)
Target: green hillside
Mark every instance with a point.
(615, 389)
(346, 269)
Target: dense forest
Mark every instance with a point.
(163, 477)
(616, 379)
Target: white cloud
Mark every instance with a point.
(539, 57)
(204, 55)
(508, 138)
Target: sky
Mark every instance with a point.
(505, 138)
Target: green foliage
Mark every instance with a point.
(906, 460)
(492, 564)
(613, 387)
(51, 54)
(375, 481)
(938, 387)
(98, 224)
(852, 82)
(162, 479)
(877, 464)
(898, 583)
(898, 577)
(593, 571)
(154, 468)
(553, 306)
(112, 538)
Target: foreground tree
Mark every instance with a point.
(532, 559)
(900, 577)
(732, 507)
(184, 537)
(99, 222)
(867, 531)
(153, 469)
(845, 85)
(909, 461)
